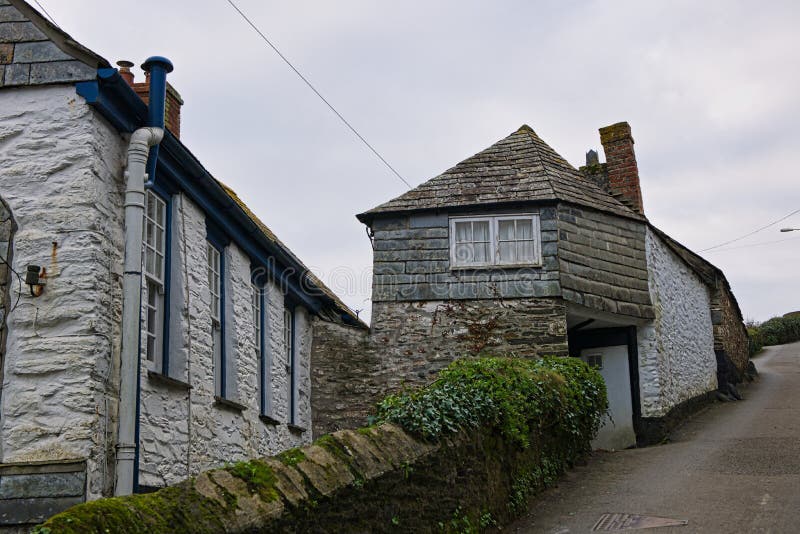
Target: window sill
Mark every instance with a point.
(296, 429)
(222, 402)
(495, 266)
(168, 380)
(269, 420)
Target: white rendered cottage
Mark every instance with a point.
(150, 330)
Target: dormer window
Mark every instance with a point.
(502, 240)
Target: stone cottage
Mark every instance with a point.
(151, 326)
(514, 251)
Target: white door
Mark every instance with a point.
(615, 432)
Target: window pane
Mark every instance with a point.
(481, 230)
(525, 251)
(506, 230)
(463, 232)
(481, 252)
(464, 253)
(524, 229)
(507, 252)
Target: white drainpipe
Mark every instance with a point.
(138, 150)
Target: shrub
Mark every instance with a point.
(776, 331)
(520, 398)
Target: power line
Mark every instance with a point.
(48, 14)
(773, 223)
(310, 86)
(761, 244)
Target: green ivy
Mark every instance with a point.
(519, 397)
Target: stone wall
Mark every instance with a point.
(676, 351)
(379, 479)
(28, 57)
(7, 229)
(409, 342)
(730, 334)
(602, 262)
(184, 430)
(61, 175)
(412, 263)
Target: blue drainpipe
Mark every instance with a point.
(158, 67)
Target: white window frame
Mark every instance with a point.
(154, 300)
(494, 253)
(214, 265)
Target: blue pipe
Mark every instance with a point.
(158, 67)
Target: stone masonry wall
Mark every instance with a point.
(602, 262)
(27, 57)
(676, 350)
(412, 263)
(730, 334)
(183, 430)
(7, 229)
(409, 342)
(61, 174)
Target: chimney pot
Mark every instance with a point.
(623, 172)
(125, 71)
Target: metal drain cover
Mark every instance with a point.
(616, 522)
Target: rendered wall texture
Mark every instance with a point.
(184, 431)
(61, 174)
(410, 342)
(676, 351)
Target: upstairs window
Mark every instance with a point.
(154, 249)
(505, 240)
(216, 269)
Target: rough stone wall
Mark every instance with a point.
(676, 350)
(61, 174)
(7, 229)
(602, 262)
(184, 430)
(412, 263)
(410, 342)
(730, 334)
(27, 57)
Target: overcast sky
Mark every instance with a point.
(710, 90)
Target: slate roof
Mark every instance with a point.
(519, 168)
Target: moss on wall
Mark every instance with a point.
(534, 420)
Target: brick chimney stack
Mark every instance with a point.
(623, 173)
(172, 111)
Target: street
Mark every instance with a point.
(735, 467)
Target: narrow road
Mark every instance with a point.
(733, 468)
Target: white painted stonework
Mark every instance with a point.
(61, 173)
(676, 350)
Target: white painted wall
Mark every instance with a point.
(60, 172)
(61, 168)
(184, 432)
(676, 350)
(616, 430)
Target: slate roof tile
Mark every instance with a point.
(519, 168)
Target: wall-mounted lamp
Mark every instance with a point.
(36, 278)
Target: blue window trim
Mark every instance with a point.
(291, 305)
(179, 169)
(264, 363)
(219, 241)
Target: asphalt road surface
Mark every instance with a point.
(733, 468)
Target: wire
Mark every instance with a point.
(19, 291)
(751, 233)
(310, 86)
(48, 14)
(756, 244)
